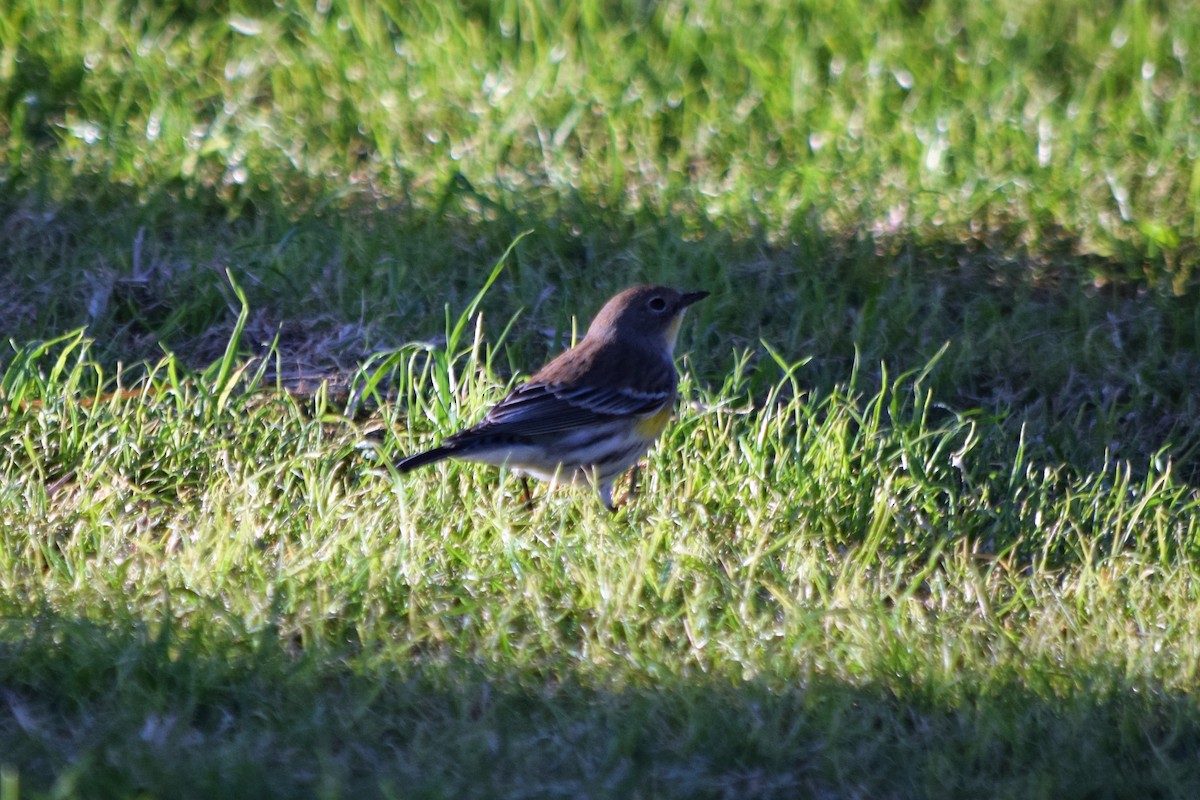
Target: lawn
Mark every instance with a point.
(926, 523)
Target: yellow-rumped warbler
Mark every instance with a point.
(593, 411)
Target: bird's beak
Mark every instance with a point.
(690, 297)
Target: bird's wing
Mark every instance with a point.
(539, 408)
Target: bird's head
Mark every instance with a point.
(644, 313)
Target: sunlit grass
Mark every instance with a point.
(866, 183)
(810, 591)
(998, 122)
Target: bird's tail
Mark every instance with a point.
(410, 463)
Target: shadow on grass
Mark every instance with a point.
(115, 710)
(1093, 362)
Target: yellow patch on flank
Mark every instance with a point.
(652, 426)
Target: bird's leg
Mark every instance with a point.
(526, 493)
(604, 490)
(633, 479)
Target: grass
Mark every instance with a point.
(208, 598)
(926, 524)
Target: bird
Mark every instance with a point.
(594, 410)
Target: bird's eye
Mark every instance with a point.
(658, 304)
